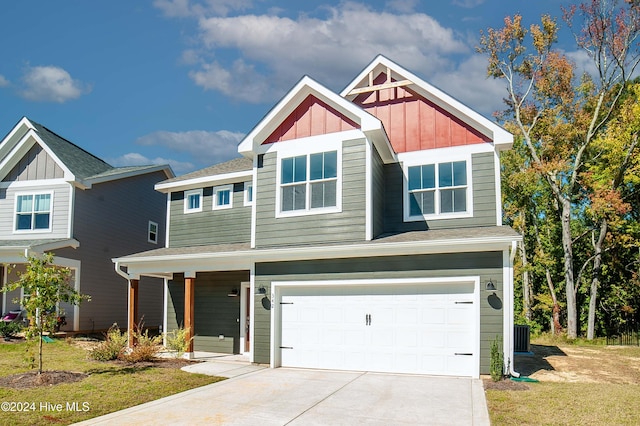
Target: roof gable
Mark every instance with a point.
(392, 84)
(311, 118)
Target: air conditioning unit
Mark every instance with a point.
(521, 338)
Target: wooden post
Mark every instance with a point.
(189, 304)
(133, 310)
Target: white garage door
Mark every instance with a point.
(421, 329)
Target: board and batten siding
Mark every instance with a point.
(222, 226)
(484, 199)
(347, 225)
(60, 212)
(216, 315)
(486, 265)
(36, 164)
(111, 220)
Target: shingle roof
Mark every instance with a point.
(236, 165)
(80, 162)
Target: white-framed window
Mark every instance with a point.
(438, 190)
(193, 201)
(33, 212)
(248, 193)
(309, 182)
(152, 232)
(222, 197)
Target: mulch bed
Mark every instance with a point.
(504, 385)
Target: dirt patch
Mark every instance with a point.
(503, 385)
(580, 364)
(32, 379)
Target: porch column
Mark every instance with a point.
(133, 310)
(189, 303)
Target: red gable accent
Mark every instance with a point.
(413, 123)
(312, 117)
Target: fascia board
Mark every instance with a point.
(305, 87)
(501, 138)
(5, 148)
(132, 173)
(202, 181)
(242, 258)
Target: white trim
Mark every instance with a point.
(165, 311)
(199, 192)
(70, 216)
(245, 295)
(76, 265)
(5, 278)
(222, 188)
(368, 192)
(38, 183)
(167, 220)
(252, 308)
(276, 316)
(184, 185)
(254, 212)
(300, 147)
(496, 168)
(424, 158)
(32, 193)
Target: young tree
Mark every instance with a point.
(557, 115)
(44, 286)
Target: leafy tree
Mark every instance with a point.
(557, 114)
(45, 286)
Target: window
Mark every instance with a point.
(309, 182)
(437, 188)
(248, 194)
(153, 232)
(193, 201)
(33, 212)
(223, 197)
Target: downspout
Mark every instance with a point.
(128, 278)
(512, 256)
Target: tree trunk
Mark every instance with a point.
(556, 327)
(567, 247)
(595, 281)
(526, 286)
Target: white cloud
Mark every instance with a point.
(204, 147)
(277, 51)
(185, 8)
(136, 159)
(51, 84)
(468, 3)
(402, 6)
(3, 81)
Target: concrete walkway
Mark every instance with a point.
(255, 395)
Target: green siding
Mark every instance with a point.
(210, 226)
(348, 225)
(377, 192)
(487, 265)
(484, 199)
(215, 314)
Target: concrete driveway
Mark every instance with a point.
(285, 396)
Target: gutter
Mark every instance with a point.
(121, 272)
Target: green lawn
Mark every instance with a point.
(109, 387)
(579, 385)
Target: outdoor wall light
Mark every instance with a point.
(491, 287)
(261, 291)
(233, 293)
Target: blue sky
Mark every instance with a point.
(181, 81)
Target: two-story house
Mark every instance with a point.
(358, 231)
(56, 197)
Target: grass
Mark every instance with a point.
(110, 387)
(580, 384)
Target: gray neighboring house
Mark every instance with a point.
(56, 197)
(359, 230)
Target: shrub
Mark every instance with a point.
(496, 367)
(112, 347)
(177, 341)
(9, 329)
(145, 348)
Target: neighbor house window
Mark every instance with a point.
(153, 232)
(193, 201)
(33, 212)
(437, 188)
(248, 194)
(309, 182)
(223, 197)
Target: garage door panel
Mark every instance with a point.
(405, 329)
